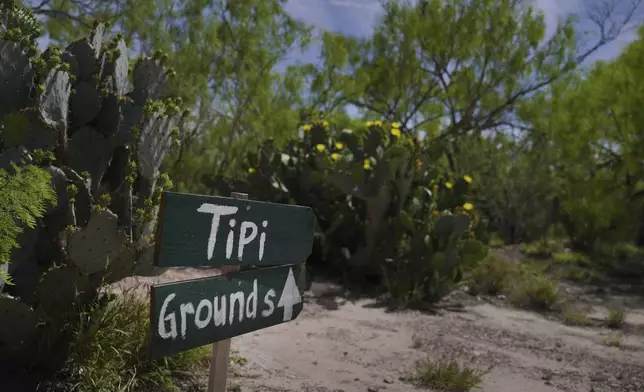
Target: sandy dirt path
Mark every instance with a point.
(359, 347)
(356, 346)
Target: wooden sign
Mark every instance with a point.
(197, 230)
(194, 313)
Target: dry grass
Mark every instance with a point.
(110, 350)
(446, 375)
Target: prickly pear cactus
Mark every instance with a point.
(379, 199)
(101, 130)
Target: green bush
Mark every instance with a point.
(542, 248)
(535, 292)
(493, 275)
(446, 375)
(383, 207)
(623, 260)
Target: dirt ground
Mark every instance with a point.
(338, 344)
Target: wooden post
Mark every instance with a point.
(218, 373)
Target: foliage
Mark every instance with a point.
(110, 347)
(616, 317)
(446, 375)
(576, 316)
(65, 112)
(535, 291)
(493, 275)
(416, 227)
(24, 196)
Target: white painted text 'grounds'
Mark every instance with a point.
(213, 312)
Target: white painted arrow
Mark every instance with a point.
(290, 296)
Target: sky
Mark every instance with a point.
(357, 17)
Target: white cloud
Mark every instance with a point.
(355, 17)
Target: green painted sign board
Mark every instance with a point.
(197, 312)
(198, 230)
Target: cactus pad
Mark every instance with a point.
(96, 39)
(88, 64)
(131, 119)
(109, 117)
(59, 181)
(25, 278)
(452, 225)
(19, 323)
(121, 69)
(54, 103)
(16, 77)
(83, 199)
(91, 248)
(121, 265)
(85, 103)
(89, 151)
(149, 80)
(153, 144)
(59, 287)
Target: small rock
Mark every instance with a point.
(372, 389)
(388, 380)
(346, 353)
(501, 297)
(478, 298)
(315, 362)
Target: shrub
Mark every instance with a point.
(495, 241)
(616, 317)
(494, 275)
(110, 346)
(383, 208)
(571, 258)
(542, 248)
(446, 375)
(534, 291)
(623, 260)
(575, 316)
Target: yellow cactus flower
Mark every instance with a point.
(325, 123)
(377, 123)
(320, 147)
(366, 164)
(395, 125)
(251, 170)
(395, 132)
(335, 156)
(448, 185)
(467, 179)
(306, 127)
(369, 123)
(339, 145)
(468, 206)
